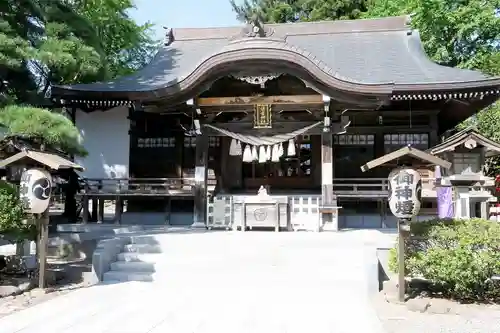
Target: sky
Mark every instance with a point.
(184, 14)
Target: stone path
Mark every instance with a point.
(226, 282)
(470, 319)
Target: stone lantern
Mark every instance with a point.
(467, 150)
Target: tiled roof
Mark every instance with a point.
(374, 52)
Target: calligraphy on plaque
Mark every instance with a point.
(405, 192)
(262, 116)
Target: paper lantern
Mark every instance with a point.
(405, 192)
(35, 190)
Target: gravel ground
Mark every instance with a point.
(472, 319)
(11, 304)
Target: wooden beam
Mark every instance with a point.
(252, 100)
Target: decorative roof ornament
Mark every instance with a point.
(169, 36)
(255, 28)
(259, 79)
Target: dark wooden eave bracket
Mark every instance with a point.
(406, 152)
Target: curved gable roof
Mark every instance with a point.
(367, 56)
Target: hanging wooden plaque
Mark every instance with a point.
(262, 116)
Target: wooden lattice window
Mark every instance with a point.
(155, 142)
(393, 142)
(354, 139)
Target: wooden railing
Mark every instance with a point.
(347, 187)
(370, 187)
(139, 186)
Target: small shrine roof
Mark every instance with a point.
(374, 56)
(468, 137)
(407, 151)
(53, 161)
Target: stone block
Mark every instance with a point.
(418, 304)
(6, 291)
(442, 306)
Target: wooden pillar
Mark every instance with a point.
(433, 133)
(200, 186)
(327, 196)
(100, 214)
(168, 210)
(316, 159)
(85, 209)
(329, 201)
(179, 150)
(93, 217)
(224, 167)
(118, 210)
(43, 237)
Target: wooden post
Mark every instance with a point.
(43, 236)
(277, 226)
(401, 261)
(100, 214)
(93, 217)
(178, 151)
(200, 186)
(85, 210)
(168, 210)
(118, 209)
(327, 197)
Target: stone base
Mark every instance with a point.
(199, 225)
(330, 226)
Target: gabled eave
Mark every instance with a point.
(468, 135)
(406, 152)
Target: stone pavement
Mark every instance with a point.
(226, 282)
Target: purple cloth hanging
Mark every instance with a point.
(444, 198)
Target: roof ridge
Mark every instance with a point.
(283, 29)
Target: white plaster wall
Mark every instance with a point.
(105, 136)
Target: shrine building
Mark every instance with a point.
(292, 110)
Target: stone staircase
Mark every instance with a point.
(136, 262)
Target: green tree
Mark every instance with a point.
(48, 130)
(463, 34)
(46, 42)
(127, 45)
(283, 11)
(14, 225)
(455, 33)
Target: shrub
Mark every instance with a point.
(35, 124)
(457, 255)
(13, 221)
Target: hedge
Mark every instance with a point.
(457, 256)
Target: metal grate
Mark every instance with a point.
(304, 205)
(220, 211)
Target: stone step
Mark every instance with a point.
(142, 248)
(133, 266)
(128, 276)
(139, 257)
(147, 239)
